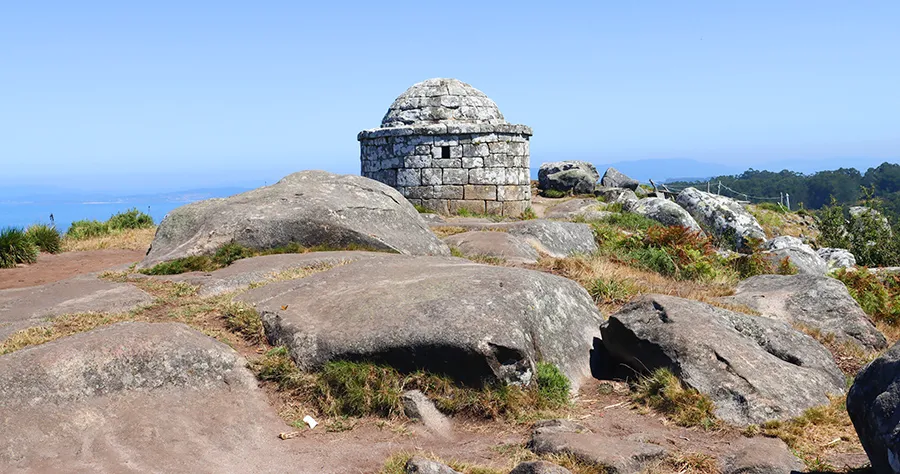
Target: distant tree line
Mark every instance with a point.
(814, 191)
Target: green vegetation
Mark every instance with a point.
(774, 207)
(528, 214)
(815, 190)
(130, 219)
(628, 221)
(422, 209)
(827, 426)
(663, 392)
(868, 236)
(676, 252)
(243, 320)
(45, 237)
(879, 296)
(553, 194)
(16, 248)
(610, 291)
(232, 252)
(345, 388)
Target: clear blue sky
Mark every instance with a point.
(161, 94)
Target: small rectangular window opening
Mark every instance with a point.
(445, 152)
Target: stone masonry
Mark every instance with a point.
(445, 145)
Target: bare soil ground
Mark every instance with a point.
(50, 268)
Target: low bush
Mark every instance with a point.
(675, 251)
(553, 194)
(130, 219)
(663, 392)
(630, 222)
(879, 296)
(16, 248)
(345, 388)
(528, 214)
(868, 235)
(45, 237)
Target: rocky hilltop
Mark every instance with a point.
(324, 324)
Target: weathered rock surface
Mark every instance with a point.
(556, 239)
(802, 256)
(312, 208)
(136, 396)
(613, 178)
(760, 456)
(753, 368)
(816, 302)
(255, 270)
(663, 211)
(420, 465)
(473, 322)
(874, 407)
(587, 209)
(539, 467)
(616, 455)
(493, 244)
(722, 217)
(418, 407)
(578, 177)
(837, 258)
(614, 195)
(21, 308)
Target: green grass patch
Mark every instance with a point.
(345, 388)
(553, 193)
(629, 221)
(45, 237)
(16, 248)
(773, 207)
(528, 214)
(130, 219)
(663, 392)
(610, 291)
(244, 320)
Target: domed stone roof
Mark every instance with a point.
(442, 100)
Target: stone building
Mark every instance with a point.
(445, 145)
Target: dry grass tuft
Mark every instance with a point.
(663, 392)
(129, 239)
(818, 433)
(848, 356)
(447, 231)
(59, 327)
(587, 270)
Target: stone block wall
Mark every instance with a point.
(485, 173)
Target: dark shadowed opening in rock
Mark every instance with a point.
(466, 367)
(445, 152)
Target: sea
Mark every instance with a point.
(22, 211)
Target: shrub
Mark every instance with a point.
(674, 251)
(45, 237)
(554, 194)
(878, 297)
(130, 219)
(232, 252)
(528, 214)
(87, 229)
(16, 248)
(868, 236)
(662, 391)
(194, 263)
(609, 291)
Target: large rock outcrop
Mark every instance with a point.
(21, 308)
(753, 368)
(802, 256)
(553, 238)
(614, 178)
(874, 407)
(476, 323)
(663, 211)
(585, 209)
(815, 302)
(578, 177)
(140, 397)
(311, 208)
(837, 258)
(497, 244)
(722, 217)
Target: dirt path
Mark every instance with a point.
(50, 268)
